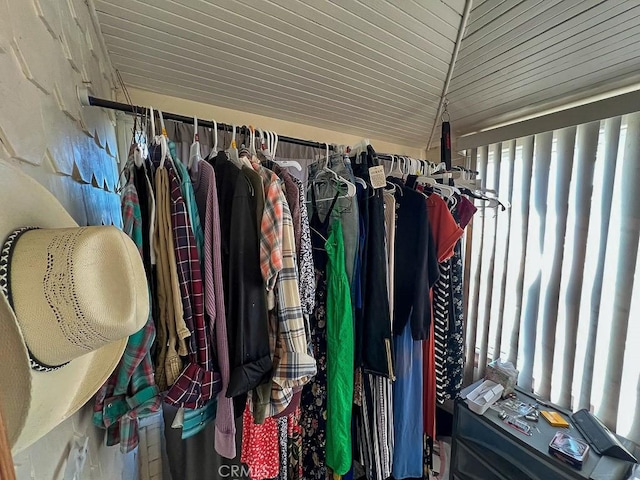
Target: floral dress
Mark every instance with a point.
(313, 421)
(455, 334)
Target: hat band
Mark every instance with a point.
(5, 288)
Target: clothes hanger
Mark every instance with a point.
(232, 153)
(493, 202)
(194, 153)
(361, 182)
(160, 139)
(243, 159)
(443, 190)
(214, 150)
(284, 163)
(252, 140)
(140, 151)
(268, 145)
(397, 172)
(215, 137)
(289, 164)
(351, 188)
(359, 147)
(275, 146)
(260, 139)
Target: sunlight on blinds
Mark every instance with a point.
(552, 283)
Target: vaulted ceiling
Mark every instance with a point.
(371, 67)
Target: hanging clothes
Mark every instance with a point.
(375, 357)
(340, 355)
(447, 233)
(170, 305)
(197, 383)
(298, 207)
(294, 446)
(245, 302)
(186, 187)
(390, 229)
(416, 266)
(416, 271)
(260, 447)
(130, 392)
(408, 404)
(314, 395)
(455, 333)
(374, 323)
(346, 208)
(206, 196)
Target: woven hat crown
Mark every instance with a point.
(73, 290)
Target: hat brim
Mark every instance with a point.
(32, 402)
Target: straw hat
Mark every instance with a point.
(69, 298)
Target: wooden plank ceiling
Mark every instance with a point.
(519, 57)
(375, 68)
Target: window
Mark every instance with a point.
(552, 284)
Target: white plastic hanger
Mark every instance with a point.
(269, 144)
(244, 160)
(214, 150)
(233, 140)
(275, 145)
(284, 163)
(252, 140)
(260, 139)
(233, 150)
(289, 164)
(397, 171)
(160, 139)
(194, 153)
(360, 147)
(215, 137)
(351, 188)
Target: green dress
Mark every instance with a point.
(340, 355)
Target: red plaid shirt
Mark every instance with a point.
(270, 227)
(198, 383)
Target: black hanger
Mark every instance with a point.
(484, 198)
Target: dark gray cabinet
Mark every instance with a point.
(484, 448)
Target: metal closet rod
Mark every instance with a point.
(133, 109)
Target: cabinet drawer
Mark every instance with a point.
(497, 451)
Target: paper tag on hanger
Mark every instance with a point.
(376, 174)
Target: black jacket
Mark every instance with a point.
(245, 295)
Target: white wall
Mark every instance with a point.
(47, 48)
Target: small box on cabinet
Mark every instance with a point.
(485, 395)
(503, 373)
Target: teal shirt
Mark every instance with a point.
(340, 355)
(186, 187)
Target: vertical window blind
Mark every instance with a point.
(552, 280)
